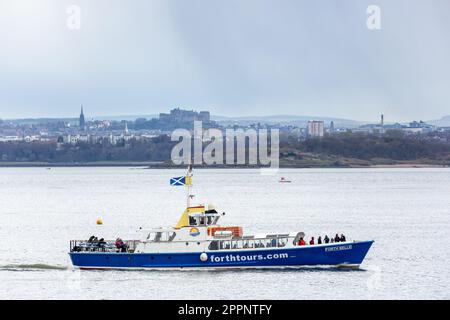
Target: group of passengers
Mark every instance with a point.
(337, 238)
(101, 243)
(93, 240)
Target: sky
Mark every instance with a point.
(233, 58)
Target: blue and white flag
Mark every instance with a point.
(181, 181)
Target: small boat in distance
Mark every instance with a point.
(197, 241)
(284, 180)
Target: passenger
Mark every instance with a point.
(311, 242)
(91, 239)
(121, 245)
(332, 240)
(301, 242)
(326, 239)
(342, 238)
(101, 244)
(319, 240)
(337, 238)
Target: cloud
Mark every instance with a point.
(233, 57)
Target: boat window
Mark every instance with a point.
(271, 243)
(224, 245)
(164, 236)
(202, 221)
(172, 236)
(192, 221)
(214, 245)
(215, 220)
(248, 244)
(158, 237)
(208, 220)
(282, 242)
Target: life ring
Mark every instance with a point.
(203, 257)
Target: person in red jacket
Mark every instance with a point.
(301, 242)
(311, 241)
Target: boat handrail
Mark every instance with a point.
(104, 246)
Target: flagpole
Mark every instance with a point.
(189, 184)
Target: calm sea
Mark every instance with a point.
(406, 212)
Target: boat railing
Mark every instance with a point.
(251, 242)
(102, 246)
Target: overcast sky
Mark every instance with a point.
(232, 57)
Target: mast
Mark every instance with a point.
(188, 183)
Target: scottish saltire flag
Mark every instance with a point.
(181, 181)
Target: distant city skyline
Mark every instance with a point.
(233, 58)
(82, 116)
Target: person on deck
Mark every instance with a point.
(326, 239)
(301, 242)
(342, 238)
(319, 240)
(311, 242)
(337, 238)
(121, 245)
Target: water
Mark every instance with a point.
(406, 211)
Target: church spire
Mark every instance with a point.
(82, 123)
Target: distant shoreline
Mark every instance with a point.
(163, 165)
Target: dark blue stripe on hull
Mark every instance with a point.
(336, 254)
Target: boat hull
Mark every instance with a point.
(345, 254)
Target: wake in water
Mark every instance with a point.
(31, 267)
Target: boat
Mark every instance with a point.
(197, 241)
(284, 180)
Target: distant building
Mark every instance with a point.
(332, 130)
(419, 127)
(315, 128)
(204, 116)
(184, 116)
(82, 123)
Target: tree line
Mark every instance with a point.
(392, 145)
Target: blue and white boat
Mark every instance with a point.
(199, 242)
